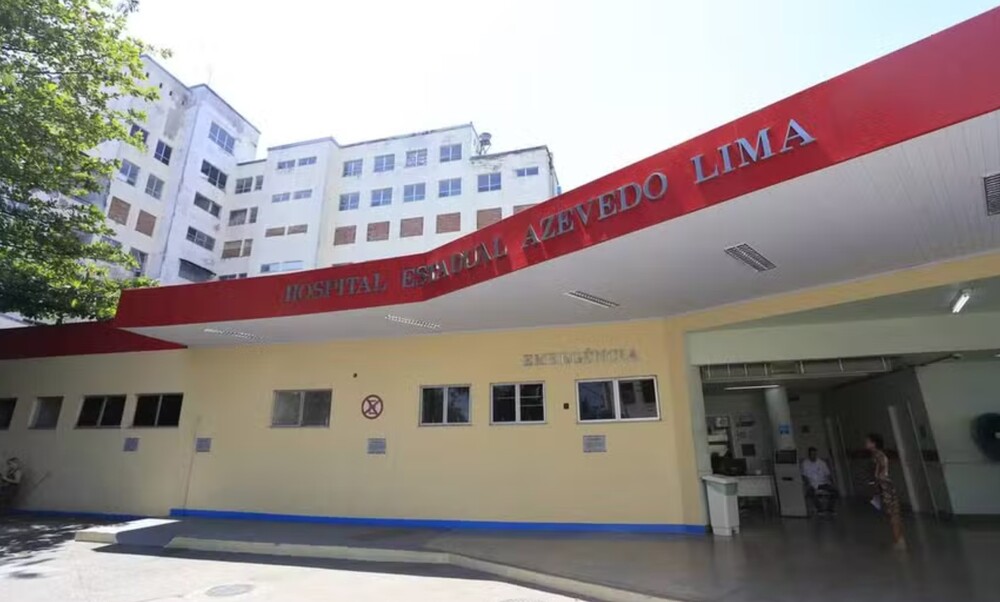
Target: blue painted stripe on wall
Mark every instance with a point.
(441, 524)
(71, 514)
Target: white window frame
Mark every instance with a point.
(281, 197)
(526, 172)
(489, 181)
(444, 413)
(215, 176)
(419, 157)
(415, 199)
(388, 163)
(517, 403)
(159, 408)
(451, 193)
(138, 128)
(258, 182)
(349, 168)
(128, 172)
(353, 201)
(206, 242)
(288, 165)
(451, 154)
(302, 403)
(222, 138)
(160, 155)
(36, 411)
(244, 185)
(302, 194)
(157, 187)
(100, 415)
(214, 209)
(306, 161)
(617, 399)
(381, 192)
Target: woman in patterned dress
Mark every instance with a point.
(886, 491)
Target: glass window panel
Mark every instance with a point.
(145, 410)
(286, 408)
(458, 404)
(170, 410)
(432, 405)
(638, 398)
(316, 408)
(114, 409)
(7, 412)
(47, 416)
(596, 400)
(532, 403)
(90, 411)
(504, 403)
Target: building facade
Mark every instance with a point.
(198, 205)
(561, 368)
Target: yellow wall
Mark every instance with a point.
(476, 472)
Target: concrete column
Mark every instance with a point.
(781, 417)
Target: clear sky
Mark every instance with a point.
(602, 83)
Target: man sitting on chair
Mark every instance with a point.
(819, 483)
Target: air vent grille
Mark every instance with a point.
(992, 186)
(592, 299)
(750, 256)
(413, 322)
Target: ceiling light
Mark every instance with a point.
(751, 387)
(748, 255)
(592, 299)
(960, 300)
(413, 322)
(236, 334)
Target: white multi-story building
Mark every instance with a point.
(197, 205)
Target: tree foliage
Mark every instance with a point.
(66, 68)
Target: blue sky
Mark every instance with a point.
(604, 83)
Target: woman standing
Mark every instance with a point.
(886, 492)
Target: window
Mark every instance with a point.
(520, 208)
(486, 217)
(307, 161)
(350, 201)
(221, 137)
(258, 182)
(416, 158)
(194, 272)
(353, 167)
(489, 181)
(519, 402)
(272, 232)
(145, 223)
(451, 187)
(244, 185)
(158, 410)
(378, 231)
(163, 152)
(140, 131)
(345, 235)
(617, 399)
(286, 165)
(203, 202)
(7, 412)
(141, 258)
(451, 152)
(281, 197)
(129, 172)
(282, 266)
(303, 194)
(298, 229)
(444, 405)
(233, 276)
(449, 222)
(237, 217)
(301, 408)
(236, 248)
(411, 226)
(118, 211)
(385, 163)
(46, 413)
(101, 410)
(381, 197)
(414, 192)
(154, 186)
(110, 241)
(200, 238)
(215, 177)
(524, 172)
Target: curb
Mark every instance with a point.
(560, 584)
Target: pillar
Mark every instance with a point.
(780, 414)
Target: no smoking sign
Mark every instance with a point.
(371, 407)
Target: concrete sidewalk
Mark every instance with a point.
(792, 560)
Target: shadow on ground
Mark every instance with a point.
(22, 537)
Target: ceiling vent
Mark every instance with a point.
(749, 256)
(236, 334)
(592, 299)
(413, 322)
(992, 186)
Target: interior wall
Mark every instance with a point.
(737, 405)
(955, 393)
(807, 422)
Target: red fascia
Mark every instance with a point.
(75, 339)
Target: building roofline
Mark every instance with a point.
(151, 59)
(304, 143)
(251, 162)
(511, 152)
(225, 102)
(412, 135)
